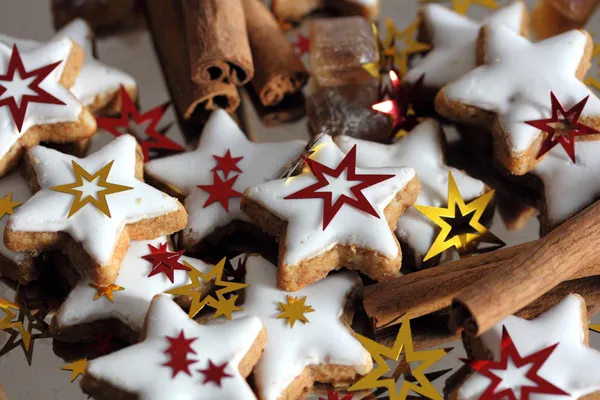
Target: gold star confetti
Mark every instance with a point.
(590, 80)
(462, 6)
(7, 206)
(195, 289)
(100, 202)
(106, 291)
(463, 219)
(11, 310)
(224, 306)
(19, 335)
(294, 310)
(595, 328)
(403, 342)
(77, 367)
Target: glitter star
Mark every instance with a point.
(510, 352)
(214, 373)
(164, 261)
(346, 170)
(150, 138)
(456, 212)
(224, 306)
(294, 310)
(77, 368)
(227, 163)
(563, 128)
(13, 93)
(7, 206)
(302, 44)
(100, 202)
(220, 191)
(179, 348)
(106, 291)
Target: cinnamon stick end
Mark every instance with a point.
(462, 319)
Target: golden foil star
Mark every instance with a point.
(21, 332)
(460, 221)
(294, 310)
(590, 80)
(76, 367)
(403, 342)
(462, 6)
(224, 306)
(595, 328)
(11, 310)
(7, 206)
(106, 291)
(101, 176)
(199, 280)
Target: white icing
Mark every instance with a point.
(17, 185)
(305, 237)
(569, 187)
(131, 304)
(37, 113)
(262, 162)
(454, 41)
(516, 81)
(138, 369)
(323, 340)
(47, 210)
(95, 78)
(572, 366)
(423, 150)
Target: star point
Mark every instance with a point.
(7, 206)
(294, 310)
(224, 306)
(220, 191)
(164, 261)
(178, 350)
(77, 368)
(227, 163)
(214, 373)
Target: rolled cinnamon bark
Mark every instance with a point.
(568, 251)
(553, 17)
(217, 41)
(278, 69)
(291, 109)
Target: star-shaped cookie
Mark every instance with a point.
(296, 356)
(147, 370)
(129, 306)
(217, 204)
(333, 215)
(454, 40)
(422, 149)
(572, 366)
(95, 240)
(513, 85)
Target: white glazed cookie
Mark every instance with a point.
(324, 342)
(313, 242)
(423, 150)
(572, 366)
(140, 370)
(513, 85)
(99, 242)
(454, 41)
(129, 305)
(182, 173)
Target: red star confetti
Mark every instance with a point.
(563, 128)
(510, 352)
(220, 191)
(164, 261)
(335, 396)
(11, 92)
(302, 44)
(227, 163)
(214, 373)
(150, 138)
(346, 170)
(179, 348)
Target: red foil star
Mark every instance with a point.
(18, 110)
(563, 128)
(335, 396)
(214, 373)
(220, 191)
(227, 163)
(509, 351)
(164, 261)
(150, 138)
(330, 208)
(179, 348)
(302, 44)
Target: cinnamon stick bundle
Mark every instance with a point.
(278, 69)
(217, 41)
(568, 251)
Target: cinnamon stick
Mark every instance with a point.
(291, 109)
(217, 41)
(568, 251)
(278, 69)
(575, 10)
(98, 13)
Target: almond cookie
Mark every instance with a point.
(180, 358)
(321, 349)
(512, 85)
(92, 224)
(333, 215)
